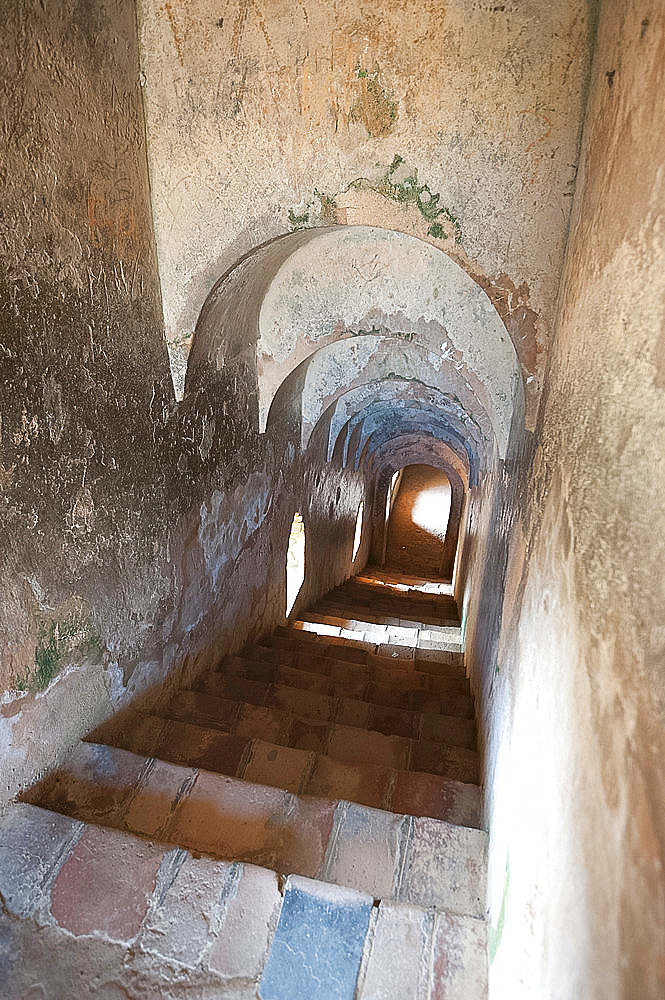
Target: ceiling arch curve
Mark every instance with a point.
(367, 439)
(356, 298)
(419, 412)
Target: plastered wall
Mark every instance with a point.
(573, 698)
(454, 121)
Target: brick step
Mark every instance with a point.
(418, 861)
(445, 662)
(417, 602)
(347, 605)
(102, 899)
(351, 616)
(373, 634)
(375, 670)
(412, 699)
(343, 742)
(304, 772)
(391, 596)
(319, 697)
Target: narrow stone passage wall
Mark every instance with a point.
(138, 537)
(569, 618)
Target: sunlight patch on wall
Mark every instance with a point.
(295, 561)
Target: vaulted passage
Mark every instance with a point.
(331, 644)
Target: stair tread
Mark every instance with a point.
(232, 819)
(303, 771)
(328, 701)
(385, 613)
(298, 640)
(242, 922)
(335, 739)
(368, 633)
(377, 668)
(418, 697)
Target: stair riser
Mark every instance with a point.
(332, 706)
(393, 857)
(342, 742)
(299, 771)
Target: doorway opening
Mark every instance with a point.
(359, 530)
(418, 522)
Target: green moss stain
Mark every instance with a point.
(59, 639)
(301, 221)
(404, 187)
(398, 183)
(496, 931)
(321, 211)
(373, 107)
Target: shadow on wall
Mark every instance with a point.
(419, 521)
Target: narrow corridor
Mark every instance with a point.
(420, 538)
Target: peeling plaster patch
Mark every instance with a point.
(82, 513)
(55, 417)
(36, 731)
(373, 106)
(336, 368)
(62, 634)
(178, 348)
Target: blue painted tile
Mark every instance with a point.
(318, 943)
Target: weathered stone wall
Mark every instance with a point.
(457, 122)
(84, 369)
(574, 701)
(137, 538)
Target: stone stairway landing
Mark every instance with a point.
(304, 821)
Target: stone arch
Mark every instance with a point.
(403, 369)
(302, 292)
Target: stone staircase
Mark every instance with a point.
(305, 823)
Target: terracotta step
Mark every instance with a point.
(419, 861)
(301, 771)
(319, 673)
(347, 681)
(345, 607)
(381, 669)
(352, 618)
(415, 603)
(287, 637)
(372, 634)
(328, 701)
(138, 909)
(317, 655)
(286, 723)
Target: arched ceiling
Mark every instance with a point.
(411, 448)
(394, 415)
(358, 337)
(389, 391)
(359, 282)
